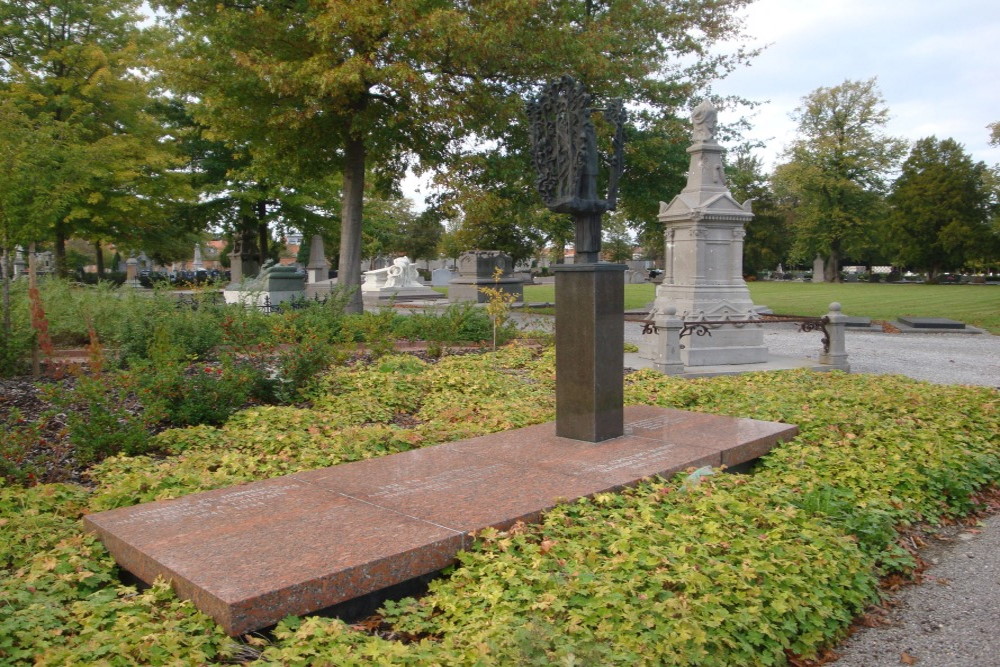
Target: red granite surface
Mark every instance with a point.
(255, 553)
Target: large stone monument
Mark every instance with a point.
(274, 285)
(703, 277)
(397, 282)
(590, 296)
(244, 260)
(484, 268)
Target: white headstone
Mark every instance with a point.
(819, 270)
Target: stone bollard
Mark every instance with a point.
(664, 347)
(836, 355)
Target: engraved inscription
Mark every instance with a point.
(648, 424)
(181, 510)
(634, 461)
(440, 482)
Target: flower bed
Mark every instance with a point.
(738, 569)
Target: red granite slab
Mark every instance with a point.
(737, 439)
(252, 554)
(607, 465)
(453, 487)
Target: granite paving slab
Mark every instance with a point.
(252, 554)
(931, 322)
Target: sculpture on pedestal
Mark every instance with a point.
(589, 295)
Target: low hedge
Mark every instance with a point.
(738, 569)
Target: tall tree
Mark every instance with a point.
(837, 169)
(80, 64)
(344, 86)
(939, 209)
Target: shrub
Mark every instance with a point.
(99, 418)
(20, 439)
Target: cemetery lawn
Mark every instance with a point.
(734, 570)
(976, 305)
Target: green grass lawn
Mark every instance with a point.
(977, 305)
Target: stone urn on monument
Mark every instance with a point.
(703, 274)
(590, 296)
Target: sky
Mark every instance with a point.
(936, 62)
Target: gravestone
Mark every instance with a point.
(941, 323)
(274, 285)
(317, 270)
(20, 263)
(244, 261)
(819, 270)
(478, 269)
(197, 264)
(703, 274)
(397, 282)
(132, 272)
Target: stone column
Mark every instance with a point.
(664, 344)
(132, 272)
(318, 268)
(590, 337)
(198, 264)
(836, 355)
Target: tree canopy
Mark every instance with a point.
(837, 170)
(939, 209)
(367, 86)
(79, 66)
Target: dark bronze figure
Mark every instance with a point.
(564, 151)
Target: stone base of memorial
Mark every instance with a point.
(590, 301)
(388, 295)
(484, 268)
(470, 289)
(252, 554)
(274, 285)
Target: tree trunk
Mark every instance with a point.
(100, 259)
(263, 238)
(349, 270)
(7, 269)
(59, 252)
(36, 366)
(832, 271)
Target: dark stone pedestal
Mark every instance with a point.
(590, 303)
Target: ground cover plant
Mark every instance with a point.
(737, 569)
(977, 305)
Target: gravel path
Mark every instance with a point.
(949, 621)
(940, 358)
